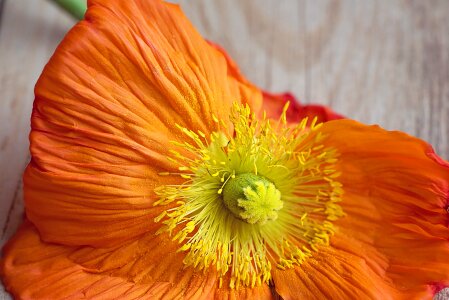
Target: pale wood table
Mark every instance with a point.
(383, 62)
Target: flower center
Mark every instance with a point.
(252, 198)
(255, 195)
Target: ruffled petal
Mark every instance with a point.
(34, 270)
(342, 271)
(274, 104)
(142, 269)
(396, 197)
(106, 107)
(393, 242)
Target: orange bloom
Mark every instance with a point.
(159, 171)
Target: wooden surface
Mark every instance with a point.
(383, 62)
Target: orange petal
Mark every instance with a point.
(106, 108)
(342, 273)
(153, 259)
(396, 193)
(274, 104)
(396, 198)
(32, 269)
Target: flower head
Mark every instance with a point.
(159, 171)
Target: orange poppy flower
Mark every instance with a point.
(158, 171)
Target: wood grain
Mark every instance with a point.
(383, 62)
(29, 33)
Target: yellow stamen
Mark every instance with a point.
(264, 192)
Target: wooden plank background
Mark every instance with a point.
(383, 62)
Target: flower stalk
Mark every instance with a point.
(77, 8)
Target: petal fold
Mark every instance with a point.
(273, 103)
(107, 106)
(143, 269)
(393, 242)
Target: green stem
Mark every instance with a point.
(76, 8)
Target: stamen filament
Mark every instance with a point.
(278, 218)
